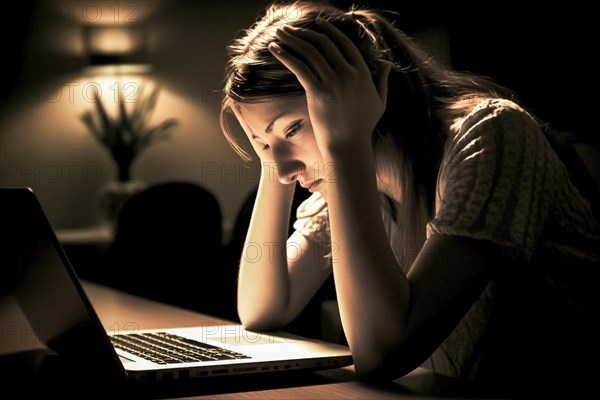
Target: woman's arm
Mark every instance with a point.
(263, 284)
(392, 321)
(278, 275)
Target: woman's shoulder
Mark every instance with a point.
(496, 103)
(496, 111)
(495, 123)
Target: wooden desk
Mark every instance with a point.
(118, 310)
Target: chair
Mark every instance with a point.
(168, 248)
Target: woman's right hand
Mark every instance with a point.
(269, 173)
(344, 102)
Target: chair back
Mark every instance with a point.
(168, 247)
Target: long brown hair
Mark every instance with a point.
(425, 98)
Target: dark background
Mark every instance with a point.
(545, 54)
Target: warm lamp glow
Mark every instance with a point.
(115, 49)
(111, 40)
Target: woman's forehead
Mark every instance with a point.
(265, 111)
(273, 105)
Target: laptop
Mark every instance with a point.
(55, 304)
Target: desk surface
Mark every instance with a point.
(118, 310)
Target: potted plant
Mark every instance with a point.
(125, 136)
(129, 133)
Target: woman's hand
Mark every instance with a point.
(344, 102)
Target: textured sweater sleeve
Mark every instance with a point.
(496, 180)
(312, 219)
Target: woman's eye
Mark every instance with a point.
(292, 129)
(261, 145)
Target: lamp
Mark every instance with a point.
(116, 49)
(115, 52)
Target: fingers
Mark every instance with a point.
(247, 129)
(321, 44)
(342, 42)
(382, 82)
(306, 52)
(305, 75)
(316, 57)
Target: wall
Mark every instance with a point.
(44, 145)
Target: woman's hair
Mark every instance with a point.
(426, 100)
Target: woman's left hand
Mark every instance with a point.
(344, 103)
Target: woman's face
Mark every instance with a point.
(282, 136)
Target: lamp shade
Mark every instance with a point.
(116, 48)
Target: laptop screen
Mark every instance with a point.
(47, 288)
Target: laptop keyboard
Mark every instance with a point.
(167, 348)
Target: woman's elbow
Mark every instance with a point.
(257, 325)
(254, 320)
(378, 366)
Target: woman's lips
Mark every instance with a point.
(315, 185)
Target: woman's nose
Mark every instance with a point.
(289, 167)
(290, 171)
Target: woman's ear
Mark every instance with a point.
(381, 81)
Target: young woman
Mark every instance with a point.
(451, 227)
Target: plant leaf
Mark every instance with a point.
(106, 125)
(124, 122)
(88, 119)
(159, 132)
(128, 134)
